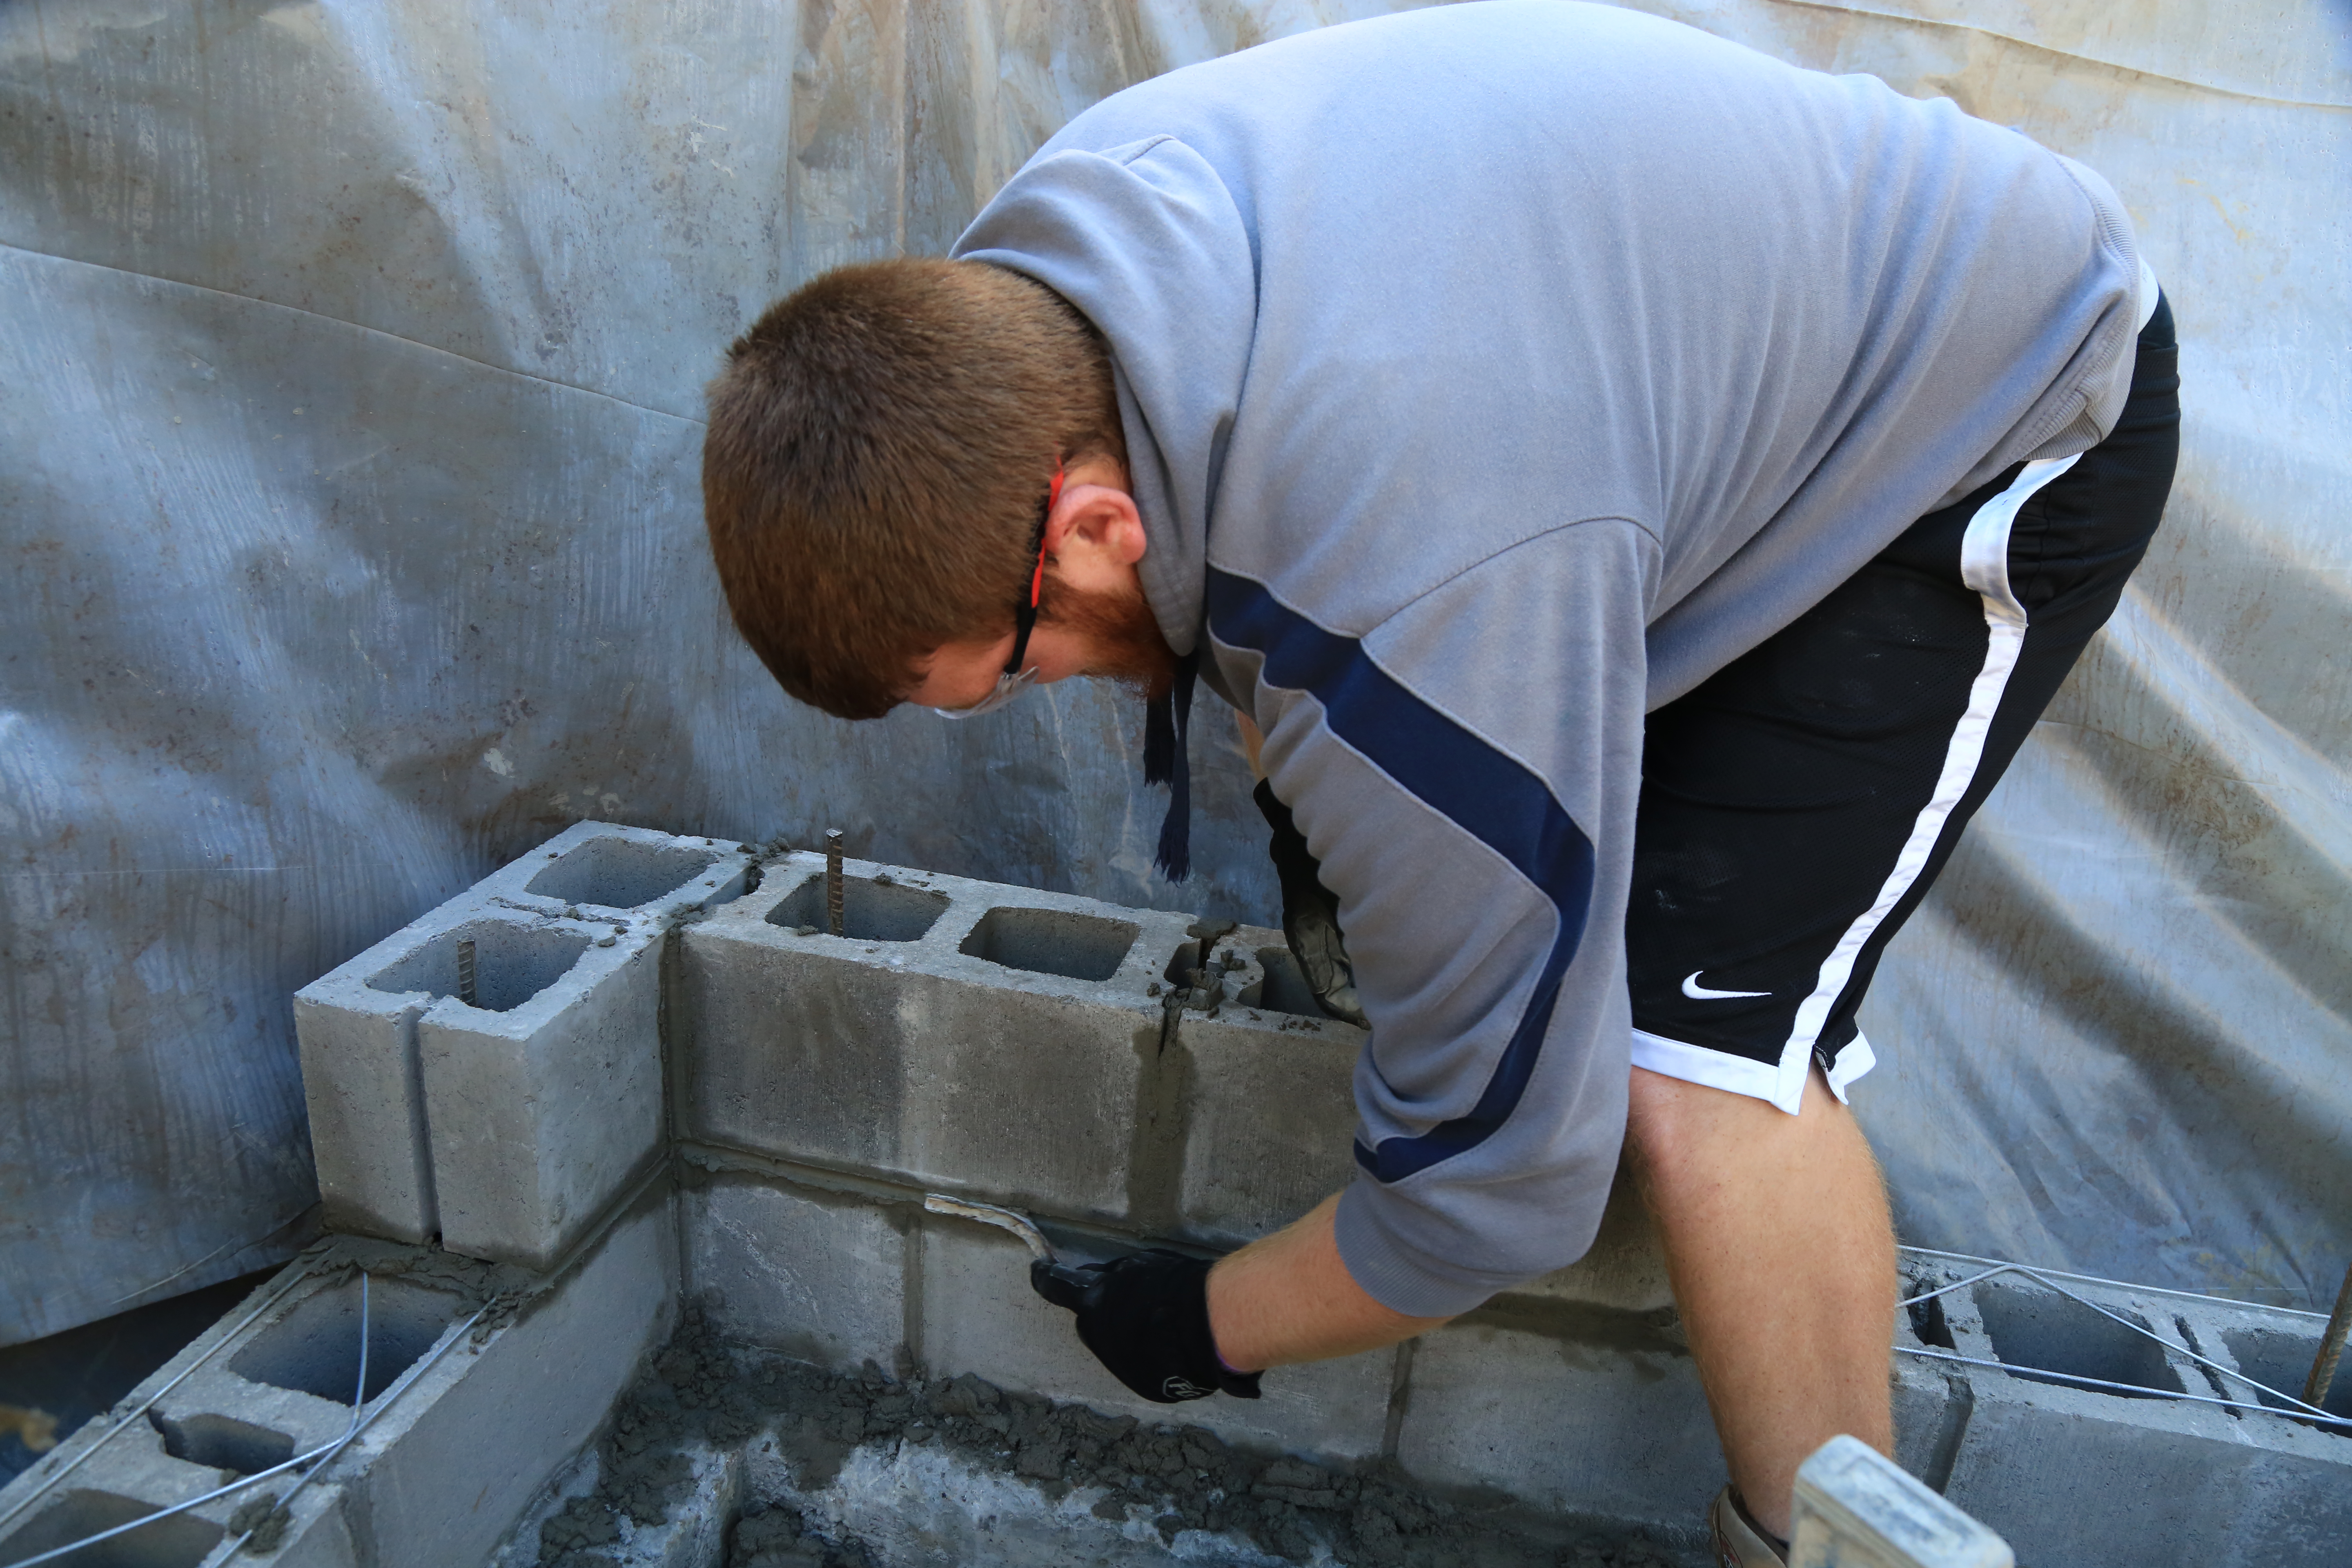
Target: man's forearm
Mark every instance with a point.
(1289, 1298)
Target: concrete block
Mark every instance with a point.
(979, 1315)
(357, 1025)
(1268, 1112)
(819, 1275)
(1600, 1415)
(2082, 1475)
(543, 1101)
(962, 1036)
(1259, 1079)
(1624, 1270)
(605, 868)
(441, 1470)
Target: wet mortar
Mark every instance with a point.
(699, 1395)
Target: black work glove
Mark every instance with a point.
(1145, 1317)
(1310, 914)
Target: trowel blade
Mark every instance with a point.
(989, 1214)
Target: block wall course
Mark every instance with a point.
(814, 1274)
(2072, 1473)
(1594, 1412)
(445, 1485)
(919, 1062)
(978, 1315)
(439, 1473)
(1090, 1066)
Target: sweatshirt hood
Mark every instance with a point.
(1146, 241)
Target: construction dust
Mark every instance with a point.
(839, 1471)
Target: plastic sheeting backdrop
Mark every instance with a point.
(353, 364)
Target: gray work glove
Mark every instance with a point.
(1310, 914)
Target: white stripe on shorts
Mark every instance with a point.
(1984, 566)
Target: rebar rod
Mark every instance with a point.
(833, 923)
(465, 971)
(2331, 1346)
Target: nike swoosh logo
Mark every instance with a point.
(1697, 993)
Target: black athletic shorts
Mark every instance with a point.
(1796, 806)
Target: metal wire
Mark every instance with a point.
(56, 1551)
(317, 1459)
(2117, 1284)
(51, 1479)
(2042, 1277)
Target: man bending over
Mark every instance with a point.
(1644, 493)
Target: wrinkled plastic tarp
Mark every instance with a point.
(349, 369)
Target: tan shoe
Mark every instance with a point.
(1739, 1541)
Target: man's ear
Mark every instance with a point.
(1094, 527)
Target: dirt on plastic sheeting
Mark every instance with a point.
(698, 1392)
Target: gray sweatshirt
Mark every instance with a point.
(1491, 374)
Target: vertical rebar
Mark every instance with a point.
(833, 881)
(465, 971)
(2331, 1346)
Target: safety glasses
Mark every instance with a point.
(1015, 679)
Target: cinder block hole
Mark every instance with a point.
(1284, 988)
(2283, 1361)
(179, 1542)
(512, 963)
(1180, 967)
(315, 1348)
(1927, 1321)
(220, 1442)
(2035, 1330)
(619, 873)
(1050, 942)
(870, 910)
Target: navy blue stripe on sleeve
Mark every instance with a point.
(1491, 796)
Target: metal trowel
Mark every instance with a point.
(1058, 1282)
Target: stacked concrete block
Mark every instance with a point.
(1590, 1411)
(467, 1413)
(1128, 1078)
(820, 1275)
(504, 1125)
(977, 1314)
(1260, 1079)
(961, 1037)
(2069, 1472)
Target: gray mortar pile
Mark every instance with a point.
(699, 1394)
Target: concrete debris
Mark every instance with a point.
(262, 1522)
(825, 1453)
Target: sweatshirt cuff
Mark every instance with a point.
(1398, 1275)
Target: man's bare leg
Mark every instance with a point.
(1783, 1257)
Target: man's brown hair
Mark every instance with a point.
(880, 445)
